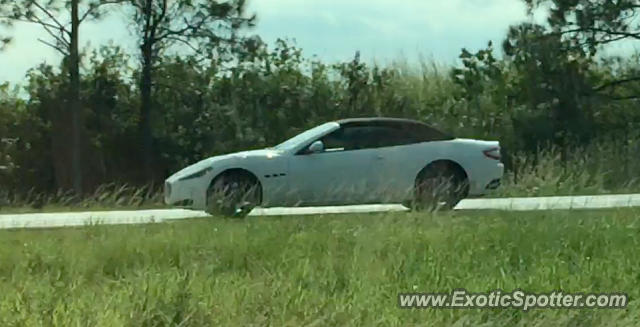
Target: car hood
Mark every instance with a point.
(211, 162)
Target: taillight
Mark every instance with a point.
(493, 153)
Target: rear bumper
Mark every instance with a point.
(485, 179)
(494, 184)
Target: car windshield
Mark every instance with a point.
(306, 136)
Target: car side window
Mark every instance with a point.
(344, 139)
(366, 137)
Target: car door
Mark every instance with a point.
(341, 174)
(403, 152)
(389, 162)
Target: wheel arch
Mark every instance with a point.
(238, 171)
(449, 163)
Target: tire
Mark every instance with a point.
(233, 194)
(440, 186)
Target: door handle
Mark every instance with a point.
(379, 157)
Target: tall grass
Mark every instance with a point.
(601, 167)
(108, 196)
(317, 270)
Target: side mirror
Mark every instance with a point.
(316, 147)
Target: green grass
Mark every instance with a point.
(328, 270)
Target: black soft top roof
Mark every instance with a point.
(413, 125)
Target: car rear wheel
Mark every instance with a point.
(233, 195)
(440, 186)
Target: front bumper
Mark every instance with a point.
(167, 193)
(187, 193)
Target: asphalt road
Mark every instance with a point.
(68, 219)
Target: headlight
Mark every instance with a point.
(196, 174)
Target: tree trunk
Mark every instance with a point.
(145, 111)
(59, 115)
(146, 86)
(74, 99)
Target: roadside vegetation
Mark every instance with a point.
(105, 197)
(317, 270)
(546, 91)
(588, 170)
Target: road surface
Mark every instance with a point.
(67, 219)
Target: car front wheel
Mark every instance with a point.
(233, 195)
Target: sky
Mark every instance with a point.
(382, 30)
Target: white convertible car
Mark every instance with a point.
(351, 161)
